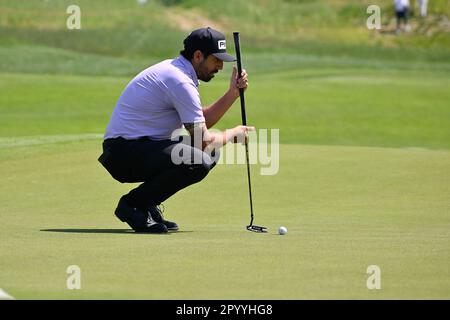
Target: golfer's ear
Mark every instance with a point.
(198, 55)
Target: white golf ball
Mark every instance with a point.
(282, 230)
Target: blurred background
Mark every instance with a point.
(153, 28)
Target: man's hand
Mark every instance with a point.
(240, 133)
(236, 84)
(214, 112)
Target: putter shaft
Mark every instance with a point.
(250, 227)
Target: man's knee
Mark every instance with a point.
(212, 158)
(199, 171)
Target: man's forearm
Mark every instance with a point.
(199, 133)
(215, 112)
(216, 140)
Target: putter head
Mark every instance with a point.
(257, 229)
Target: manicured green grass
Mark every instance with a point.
(345, 207)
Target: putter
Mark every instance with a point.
(250, 227)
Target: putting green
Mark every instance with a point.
(345, 208)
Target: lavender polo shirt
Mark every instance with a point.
(157, 101)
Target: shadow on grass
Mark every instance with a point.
(123, 231)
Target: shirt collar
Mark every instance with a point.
(189, 68)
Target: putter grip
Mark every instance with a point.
(239, 66)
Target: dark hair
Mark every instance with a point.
(189, 53)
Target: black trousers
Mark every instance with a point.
(151, 162)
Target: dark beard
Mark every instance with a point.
(207, 78)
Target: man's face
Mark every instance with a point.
(206, 68)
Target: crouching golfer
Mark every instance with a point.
(138, 144)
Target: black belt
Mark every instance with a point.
(123, 139)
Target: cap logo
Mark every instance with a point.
(222, 44)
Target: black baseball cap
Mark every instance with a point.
(209, 41)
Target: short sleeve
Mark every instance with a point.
(186, 100)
